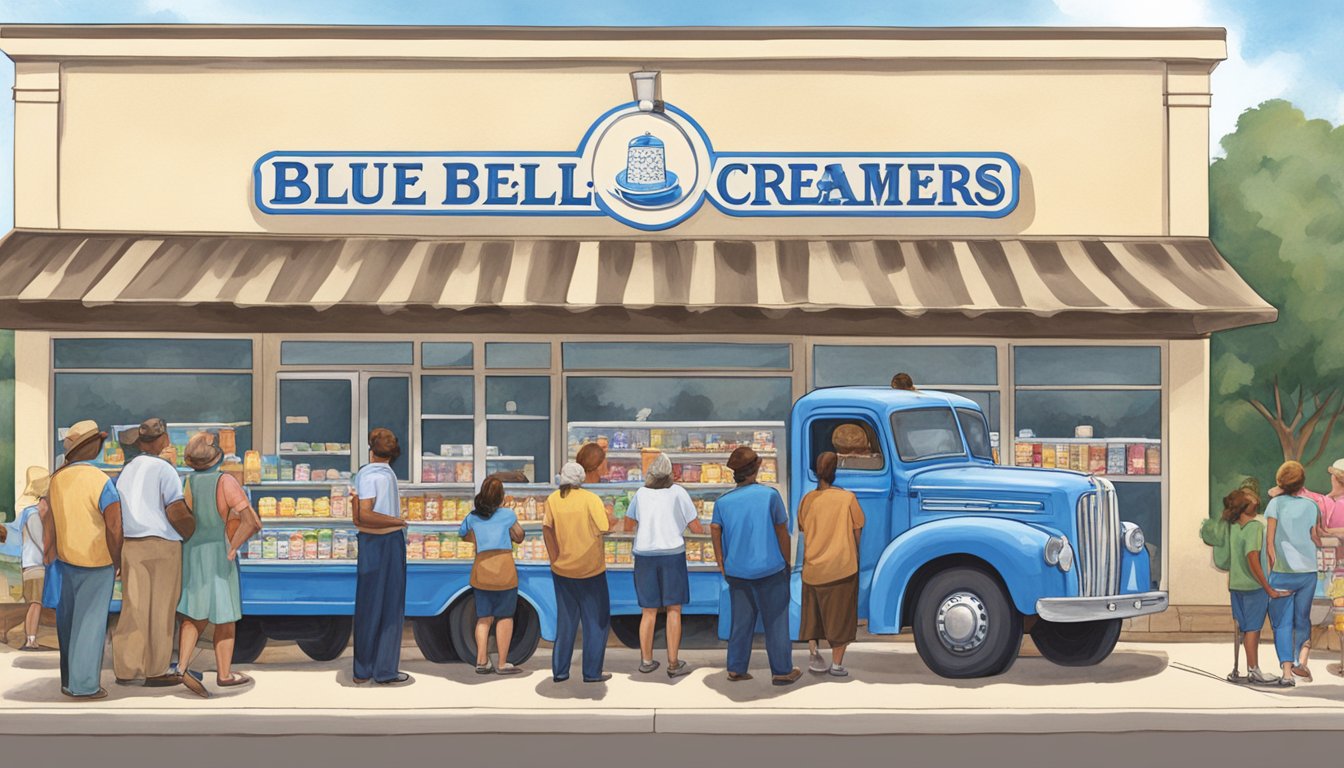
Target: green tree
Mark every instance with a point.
(1277, 214)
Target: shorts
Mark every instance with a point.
(33, 586)
(496, 603)
(1249, 609)
(662, 580)
(831, 611)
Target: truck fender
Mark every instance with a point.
(538, 593)
(1013, 549)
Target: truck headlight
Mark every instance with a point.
(1134, 538)
(1059, 552)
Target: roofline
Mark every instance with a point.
(405, 32)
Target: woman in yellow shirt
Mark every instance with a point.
(573, 527)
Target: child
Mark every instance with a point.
(494, 578)
(1246, 580)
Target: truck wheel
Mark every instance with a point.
(462, 627)
(966, 625)
(434, 639)
(626, 630)
(330, 643)
(248, 642)
(1076, 644)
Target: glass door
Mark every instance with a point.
(317, 421)
(386, 403)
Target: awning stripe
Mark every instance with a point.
(1167, 276)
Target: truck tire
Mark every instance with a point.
(249, 641)
(330, 643)
(434, 639)
(697, 631)
(965, 625)
(1076, 644)
(626, 630)
(462, 629)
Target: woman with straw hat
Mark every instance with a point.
(33, 511)
(225, 521)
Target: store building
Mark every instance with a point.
(486, 236)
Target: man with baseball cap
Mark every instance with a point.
(85, 537)
(155, 520)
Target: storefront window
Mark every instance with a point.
(117, 399)
(518, 427)
(1115, 365)
(167, 354)
(934, 367)
(446, 354)
(700, 399)
(508, 354)
(662, 356)
(346, 352)
(388, 405)
(316, 422)
(447, 429)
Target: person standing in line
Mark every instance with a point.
(494, 576)
(593, 458)
(1292, 537)
(1247, 582)
(34, 514)
(831, 522)
(573, 529)
(85, 538)
(903, 381)
(155, 521)
(661, 512)
(225, 520)
(751, 534)
(380, 584)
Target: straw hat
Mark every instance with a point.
(39, 481)
(82, 432)
(201, 452)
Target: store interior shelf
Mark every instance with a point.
(676, 455)
(312, 453)
(325, 563)
(510, 458)
(1071, 440)
(635, 484)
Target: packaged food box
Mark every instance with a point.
(693, 550)
(463, 472)
(1115, 459)
(1153, 459)
(303, 507)
(695, 441)
(1078, 457)
(252, 468)
(296, 545)
(303, 473)
(353, 547)
(447, 546)
(710, 473)
(254, 548)
(432, 547)
(1137, 456)
(268, 547)
(656, 438)
(415, 546)
(405, 508)
(707, 552)
(286, 506)
(324, 542)
(1047, 456)
(267, 506)
(465, 550)
(340, 545)
(340, 505)
(282, 547)
(610, 552)
(310, 545)
(322, 506)
(415, 508)
(270, 468)
(433, 506)
(769, 471)
(1096, 458)
(286, 471)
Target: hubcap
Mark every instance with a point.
(963, 622)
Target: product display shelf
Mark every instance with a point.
(179, 432)
(1122, 459)
(677, 455)
(312, 453)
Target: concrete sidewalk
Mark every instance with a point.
(1167, 687)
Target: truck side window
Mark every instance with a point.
(977, 433)
(854, 441)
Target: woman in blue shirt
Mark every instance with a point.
(1292, 537)
(751, 535)
(494, 578)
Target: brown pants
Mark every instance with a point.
(831, 611)
(151, 583)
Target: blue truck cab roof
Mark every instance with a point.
(883, 399)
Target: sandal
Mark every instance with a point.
(485, 669)
(236, 679)
(1302, 672)
(508, 669)
(648, 666)
(194, 681)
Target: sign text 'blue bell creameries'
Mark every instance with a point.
(649, 169)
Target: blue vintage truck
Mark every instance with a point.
(967, 554)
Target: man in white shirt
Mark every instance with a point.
(155, 520)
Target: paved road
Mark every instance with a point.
(1075, 750)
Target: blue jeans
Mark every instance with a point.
(587, 602)
(768, 598)
(380, 605)
(81, 625)
(1291, 616)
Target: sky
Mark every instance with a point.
(1276, 48)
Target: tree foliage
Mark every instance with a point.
(1277, 214)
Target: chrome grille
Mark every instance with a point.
(1098, 542)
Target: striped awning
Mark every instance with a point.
(1168, 286)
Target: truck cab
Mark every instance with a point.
(968, 554)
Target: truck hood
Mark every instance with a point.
(939, 481)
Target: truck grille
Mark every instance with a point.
(1099, 541)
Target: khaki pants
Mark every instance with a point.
(151, 584)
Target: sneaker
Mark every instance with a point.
(818, 664)
(508, 669)
(678, 669)
(485, 669)
(1257, 677)
(648, 666)
(1287, 682)
(838, 670)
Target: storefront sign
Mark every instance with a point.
(650, 170)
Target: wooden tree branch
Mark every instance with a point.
(1325, 436)
(1297, 417)
(1278, 402)
(1303, 437)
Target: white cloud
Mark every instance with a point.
(201, 12)
(1238, 83)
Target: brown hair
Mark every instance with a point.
(1291, 477)
(1238, 503)
(490, 497)
(743, 462)
(827, 461)
(902, 381)
(590, 456)
(384, 444)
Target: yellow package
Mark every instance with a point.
(286, 507)
(322, 506)
(303, 507)
(415, 508)
(266, 506)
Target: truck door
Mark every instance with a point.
(863, 469)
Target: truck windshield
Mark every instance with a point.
(977, 433)
(926, 433)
